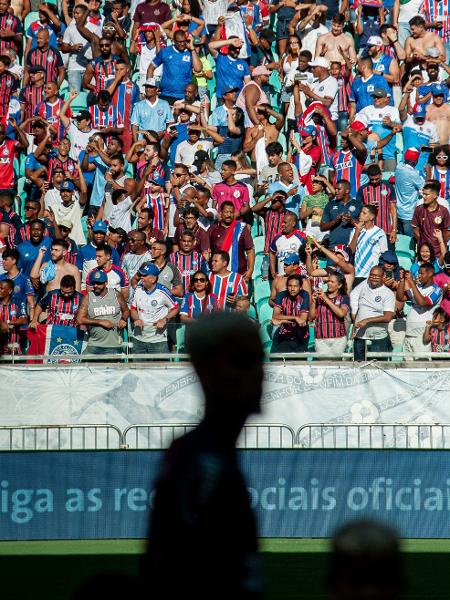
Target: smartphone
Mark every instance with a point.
(389, 274)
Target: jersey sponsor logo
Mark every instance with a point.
(186, 58)
(101, 311)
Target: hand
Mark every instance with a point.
(308, 249)
(121, 324)
(73, 94)
(393, 237)
(387, 121)
(293, 191)
(231, 298)
(13, 122)
(43, 8)
(161, 324)
(221, 21)
(408, 277)
(392, 37)
(248, 275)
(42, 250)
(139, 323)
(301, 321)
(76, 47)
(106, 324)
(33, 325)
(108, 176)
(324, 50)
(437, 233)
(361, 323)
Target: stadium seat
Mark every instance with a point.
(261, 291)
(32, 16)
(265, 313)
(258, 262)
(180, 338)
(404, 246)
(405, 262)
(259, 243)
(79, 103)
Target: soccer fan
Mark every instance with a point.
(273, 215)
(290, 316)
(151, 309)
(339, 214)
(80, 133)
(198, 300)
(12, 27)
(76, 47)
(87, 256)
(430, 218)
(117, 278)
(153, 113)
(105, 314)
(437, 331)
(145, 224)
(367, 242)
(289, 241)
(101, 69)
(232, 72)
(348, 163)
(187, 260)
(23, 290)
(50, 273)
(12, 317)
(46, 57)
(125, 94)
(8, 150)
(48, 21)
(105, 117)
(191, 222)
(225, 284)
(137, 255)
(61, 304)
(30, 248)
(231, 190)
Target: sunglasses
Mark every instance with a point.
(64, 228)
(30, 207)
(104, 46)
(108, 29)
(201, 280)
(442, 157)
(179, 174)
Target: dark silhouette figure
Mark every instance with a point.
(366, 563)
(203, 541)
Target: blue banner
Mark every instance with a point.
(295, 493)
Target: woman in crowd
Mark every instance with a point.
(199, 300)
(425, 254)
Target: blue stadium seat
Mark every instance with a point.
(404, 246)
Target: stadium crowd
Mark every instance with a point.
(285, 159)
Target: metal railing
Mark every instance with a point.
(60, 437)
(159, 437)
(374, 435)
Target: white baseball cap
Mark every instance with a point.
(320, 61)
(374, 40)
(152, 82)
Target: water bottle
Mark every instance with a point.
(265, 268)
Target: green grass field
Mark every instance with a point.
(294, 568)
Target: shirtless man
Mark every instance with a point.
(439, 113)
(253, 95)
(41, 273)
(336, 44)
(420, 41)
(265, 129)
(21, 8)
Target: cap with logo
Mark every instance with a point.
(100, 226)
(438, 89)
(359, 126)
(374, 40)
(99, 277)
(419, 111)
(148, 269)
(158, 180)
(292, 259)
(151, 82)
(67, 186)
(308, 131)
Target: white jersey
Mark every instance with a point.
(78, 139)
(329, 87)
(367, 302)
(152, 306)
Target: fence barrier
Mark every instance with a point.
(60, 437)
(374, 435)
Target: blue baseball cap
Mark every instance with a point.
(99, 277)
(67, 186)
(438, 89)
(307, 131)
(420, 110)
(148, 269)
(100, 226)
(292, 259)
(158, 180)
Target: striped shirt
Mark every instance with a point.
(273, 220)
(293, 306)
(382, 196)
(188, 264)
(193, 306)
(50, 113)
(8, 84)
(11, 312)
(24, 233)
(125, 97)
(328, 325)
(69, 166)
(433, 10)
(159, 207)
(104, 71)
(60, 310)
(440, 339)
(347, 166)
(343, 94)
(105, 118)
(31, 96)
(370, 245)
(117, 278)
(50, 59)
(224, 285)
(9, 21)
(444, 179)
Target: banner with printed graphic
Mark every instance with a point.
(293, 395)
(295, 493)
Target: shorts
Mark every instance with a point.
(282, 31)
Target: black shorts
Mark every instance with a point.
(282, 32)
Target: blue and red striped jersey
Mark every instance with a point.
(194, 307)
(224, 285)
(382, 196)
(188, 264)
(50, 59)
(329, 325)
(50, 113)
(60, 310)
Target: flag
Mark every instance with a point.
(230, 243)
(55, 340)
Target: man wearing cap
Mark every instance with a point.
(105, 313)
(151, 309)
(287, 242)
(152, 113)
(185, 153)
(232, 72)
(65, 229)
(291, 266)
(324, 87)
(70, 207)
(80, 132)
(32, 94)
(179, 62)
(420, 41)
(384, 120)
(364, 86)
(252, 95)
(433, 74)
(47, 57)
(383, 64)
(86, 259)
(417, 131)
(438, 112)
(117, 278)
(408, 183)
